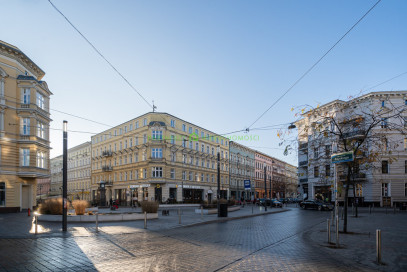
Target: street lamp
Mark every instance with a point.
(218, 196)
(65, 176)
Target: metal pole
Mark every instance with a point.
(342, 213)
(270, 190)
(337, 231)
(145, 220)
(179, 215)
(97, 222)
(332, 218)
(36, 224)
(265, 188)
(336, 194)
(201, 212)
(378, 246)
(329, 230)
(218, 202)
(65, 177)
(370, 209)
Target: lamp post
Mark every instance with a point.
(265, 187)
(270, 189)
(218, 193)
(64, 176)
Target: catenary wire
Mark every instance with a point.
(315, 64)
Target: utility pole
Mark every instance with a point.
(265, 187)
(65, 176)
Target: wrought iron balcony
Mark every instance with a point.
(303, 163)
(304, 180)
(107, 153)
(354, 134)
(107, 168)
(357, 176)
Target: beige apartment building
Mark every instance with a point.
(160, 157)
(24, 129)
(79, 171)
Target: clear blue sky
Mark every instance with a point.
(218, 64)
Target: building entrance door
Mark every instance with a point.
(25, 197)
(158, 194)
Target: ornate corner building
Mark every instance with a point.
(24, 129)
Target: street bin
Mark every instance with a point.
(223, 211)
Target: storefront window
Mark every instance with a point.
(2, 194)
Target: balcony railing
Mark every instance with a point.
(303, 163)
(354, 134)
(304, 180)
(357, 176)
(107, 168)
(107, 153)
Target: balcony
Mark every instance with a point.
(303, 163)
(107, 168)
(304, 180)
(356, 177)
(354, 134)
(107, 153)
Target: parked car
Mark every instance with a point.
(315, 204)
(276, 203)
(261, 202)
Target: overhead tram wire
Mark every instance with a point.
(101, 55)
(315, 64)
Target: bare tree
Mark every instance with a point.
(369, 128)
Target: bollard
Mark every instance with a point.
(337, 231)
(97, 222)
(370, 209)
(329, 230)
(179, 216)
(378, 246)
(36, 223)
(145, 220)
(201, 212)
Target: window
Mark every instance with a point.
(207, 177)
(136, 125)
(184, 174)
(136, 140)
(145, 122)
(327, 170)
(173, 157)
(130, 127)
(190, 144)
(316, 155)
(184, 128)
(405, 191)
(213, 151)
(135, 174)
(191, 160)
(136, 157)
(196, 146)
(144, 138)
(156, 153)
(172, 173)
(202, 177)
(157, 135)
(183, 142)
(2, 194)
(405, 121)
(125, 129)
(385, 189)
(316, 171)
(172, 139)
(25, 156)
(385, 167)
(40, 130)
(172, 123)
(207, 149)
(203, 148)
(25, 126)
(405, 167)
(25, 96)
(383, 123)
(202, 135)
(217, 140)
(40, 101)
(383, 103)
(190, 130)
(157, 172)
(184, 158)
(145, 173)
(125, 144)
(327, 150)
(131, 142)
(41, 159)
(143, 156)
(190, 175)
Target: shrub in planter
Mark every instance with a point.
(51, 206)
(80, 206)
(149, 206)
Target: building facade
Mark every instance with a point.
(263, 161)
(241, 168)
(24, 129)
(158, 157)
(377, 119)
(56, 176)
(79, 172)
(43, 188)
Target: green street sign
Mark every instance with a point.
(342, 157)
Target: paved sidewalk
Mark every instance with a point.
(22, 226)
(360, 242)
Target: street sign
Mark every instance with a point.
(342, 157)
(247, 184)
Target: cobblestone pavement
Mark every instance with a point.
(288, 241)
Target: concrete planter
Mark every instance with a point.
(215, 211)
(106, 217)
